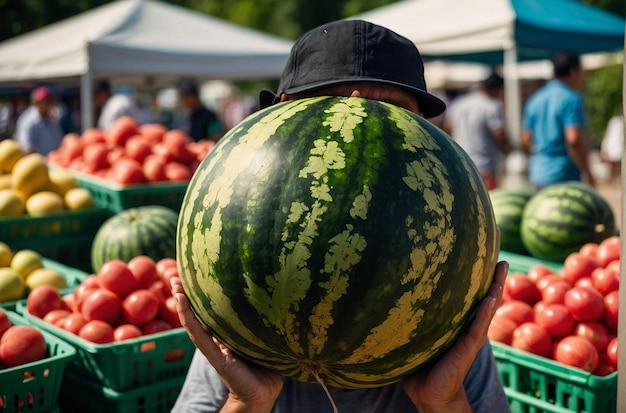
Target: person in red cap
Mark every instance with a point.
(349, 58)
(38, 129)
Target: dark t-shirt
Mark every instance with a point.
(203, 123)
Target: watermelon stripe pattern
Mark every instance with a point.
(313, 240)
(147, 230)
(508, 207)
(561, 218)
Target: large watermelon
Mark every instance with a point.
(561, 218)
(342, 238)
(147, 230)
(508, 207)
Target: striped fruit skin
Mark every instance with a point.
(508, 207)
(561, 218)
(341, 238)
(147, 230)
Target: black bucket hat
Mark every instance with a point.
(351, 51)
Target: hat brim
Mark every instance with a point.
(430, 105)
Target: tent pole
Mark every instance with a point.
(512, 95)
(86, 100)
(621, 326)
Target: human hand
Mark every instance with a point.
(440, 389)
(251, 388)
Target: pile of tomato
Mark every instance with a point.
(568, 315)
(120, 302)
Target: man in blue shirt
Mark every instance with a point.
(38, 128)
(554, 121)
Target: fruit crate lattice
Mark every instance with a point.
(78, 394)
(115, 197)
(127, 364)
(535, 384)
(34, 387)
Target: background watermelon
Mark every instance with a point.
(146, 230)
(338, 237)
(508, 207)
(561, 218)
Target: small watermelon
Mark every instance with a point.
(337, 238)
(147, 230)
(561, 218)
(508, 207)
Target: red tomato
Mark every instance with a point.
(158, 289)
(115, 153)
(137, 148)
(610, 311)
(518, 286)
(5, 323)
(577, 266)
(144, 270)
(585, 281)
(554, 293)
(501, 330)
(608, 250)
(95, 157)
(103, 305)
(176, 171)
(55, 316)
(533, 338)
(585, 304)
(167, 312)
(126, 332)
(121, 130)
(127, 171)
(538, 271)
(589, 250)
(611, 351)
(517, 311)
(578, 352)
(152, 132)
(604, 368)
(22, 344)
(556, 319)
(155, 326)
(140, 307)
(43, 299)
(97, 331)
(595, 332)
(546, 280)
(163, 264)
(604, 281)
(114, 275)
(539, 307)
(154, 168)
(168, 274)
(614, 267)
(73, 323)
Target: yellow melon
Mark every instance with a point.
(44, 203)
(11, 203)
(30, 174)
(10, 153)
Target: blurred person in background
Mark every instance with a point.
(111, 106)
(476, 122)
(612, 146)
(38, 128)
(554, 120)
(198, 121)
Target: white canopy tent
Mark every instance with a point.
(140, 42)
(501, 32)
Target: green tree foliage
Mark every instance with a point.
(603, 96)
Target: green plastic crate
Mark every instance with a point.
(127, 364)
(80, 395)
(35, 387)
(73, 277)
(535, 384)
(115, 197)
(65, 237)
(522, 263)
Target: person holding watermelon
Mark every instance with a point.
(349, 58)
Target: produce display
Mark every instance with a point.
(337, 239)
(23, 270)
(147, 230)
(28, 187)
(561, 218)
(130, 153)
(120, 302)
(570, 315)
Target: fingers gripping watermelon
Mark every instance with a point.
(338, 237)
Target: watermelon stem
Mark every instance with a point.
(313, 371)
